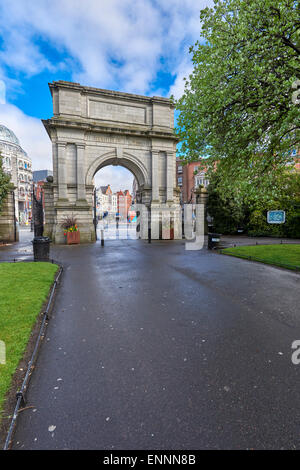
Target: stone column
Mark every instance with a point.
(80, 172)
(49, 209)
(8, 228)
(155, 188)
(155, 221)
(178, 223)
(170, 176)
(166, 224)
(55, 162)
(62, 171)
(201, 198)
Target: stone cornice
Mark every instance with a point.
(120, 129)
(70, 207)
(109, 93)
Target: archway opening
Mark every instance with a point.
(116, 190)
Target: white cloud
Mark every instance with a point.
(115, 44)
(21, 54)
(183, 71)
(118, 177)
(111, 44)
(2, 92)
(31, 134)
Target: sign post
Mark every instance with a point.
(276, 217)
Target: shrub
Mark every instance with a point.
(69, 224)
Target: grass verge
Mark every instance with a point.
(24, 287)
(286, 256)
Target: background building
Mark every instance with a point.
(106, 201)
(17, 164)
(41, 175)
(111, 204)
(189, 177)
(39, 179)
(124, 203)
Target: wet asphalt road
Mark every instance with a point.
(155, 347)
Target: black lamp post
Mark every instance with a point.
(41, 245)
(149, 222)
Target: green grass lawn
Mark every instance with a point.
(279, 255)
(23, 289)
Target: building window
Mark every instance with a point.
(200, 181)
(179, 169)
(179, 181)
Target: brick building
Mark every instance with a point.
(189, 176)
(39, 179)
(124, 203)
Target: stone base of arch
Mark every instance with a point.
(56, 210)
(165, 220)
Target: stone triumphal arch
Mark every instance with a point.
(92, 128)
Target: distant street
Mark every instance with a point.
(154, 347)
(112, 231)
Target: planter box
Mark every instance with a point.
(73, 237)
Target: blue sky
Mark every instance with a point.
(136, 46)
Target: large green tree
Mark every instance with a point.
(241, 208)
(237, 106)
(5, 184)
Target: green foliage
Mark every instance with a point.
(259, 227)
(24, 288)
(5, 184)
(237, 101)
(228, 211)
(292, 224)
(233, 209)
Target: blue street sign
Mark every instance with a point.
(276, 217)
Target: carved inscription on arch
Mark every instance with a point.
(117, 112)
